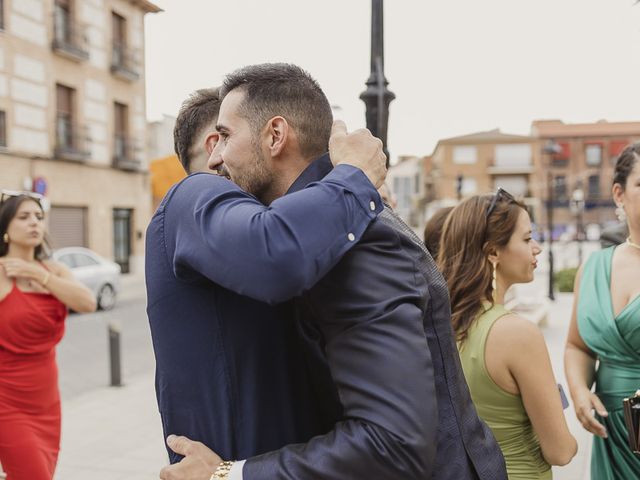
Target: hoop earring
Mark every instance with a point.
(494, 281)
(620, 213)
(5, 238)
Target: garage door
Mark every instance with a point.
(67, 226)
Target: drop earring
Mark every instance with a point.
(620, 213)
(494, 281)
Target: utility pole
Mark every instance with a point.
(550, 148)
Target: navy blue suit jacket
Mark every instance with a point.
(229, 372)
(386, 350)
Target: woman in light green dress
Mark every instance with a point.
(486, 247)
(605, 327)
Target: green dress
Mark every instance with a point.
(616, 341)
(502, 411)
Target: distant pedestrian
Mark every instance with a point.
(35, 293)
(487, 247)
(605, 328)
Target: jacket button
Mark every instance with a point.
(351, 237)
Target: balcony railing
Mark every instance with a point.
(126, 153)
(72, 140)
(69, 38)
(125, 62)
(559, 162)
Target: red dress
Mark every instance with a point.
(31, 324)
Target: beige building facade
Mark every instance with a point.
(480, 163)
(578, 178)
(575, 181)
(73, 119)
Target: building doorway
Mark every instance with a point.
(122, 237)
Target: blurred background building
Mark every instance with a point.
(164, 166)
(73, 120)
(579, 177)
(575, 181)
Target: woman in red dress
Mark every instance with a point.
(35, 294)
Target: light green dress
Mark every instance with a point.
(616, 341)
(502, 411)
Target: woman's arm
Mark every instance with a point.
(527, 360)
(56, 278)
(68, 290)
(579, 368)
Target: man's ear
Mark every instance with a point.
(278, 132)
(210, 142)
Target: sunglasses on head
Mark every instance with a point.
(501, 194)
(7, 194)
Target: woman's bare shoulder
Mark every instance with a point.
(516, 333)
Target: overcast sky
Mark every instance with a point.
(456, 66)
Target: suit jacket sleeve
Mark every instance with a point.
(370, 310)
(214, 229)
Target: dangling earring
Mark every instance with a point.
(620, 213)
(5, 238)
(494, 282)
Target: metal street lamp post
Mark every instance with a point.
(550, 148)
(377, 96)
(577, 205)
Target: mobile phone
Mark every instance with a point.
(563, 397)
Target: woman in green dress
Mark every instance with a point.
(486, 247)
(605, 328)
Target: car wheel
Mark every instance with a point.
(106, 297)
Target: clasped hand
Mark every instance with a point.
(18, 268)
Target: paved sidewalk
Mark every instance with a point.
(112, 433)
(555, 333)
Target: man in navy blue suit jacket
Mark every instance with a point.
(230, 369)
(379, 320)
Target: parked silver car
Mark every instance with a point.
(100, 275)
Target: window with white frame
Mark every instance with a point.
(516, 185)
(465, 154)
(469, 186)
(593, 155)
(513, 155)
(402, 188)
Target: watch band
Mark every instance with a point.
(222, 471)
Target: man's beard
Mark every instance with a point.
(256, 178)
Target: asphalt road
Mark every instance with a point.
(83, 354)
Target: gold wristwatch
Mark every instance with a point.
(222, 472)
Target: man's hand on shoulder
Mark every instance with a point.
(199, 462)
(359, 149)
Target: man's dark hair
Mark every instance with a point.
(273, 89)
(625, 164)
(197, 111)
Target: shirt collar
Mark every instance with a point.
(316, 171)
